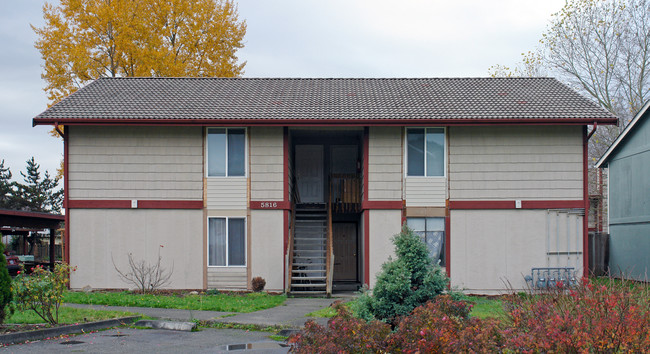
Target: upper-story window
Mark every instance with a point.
(425, 152)
(226, 152)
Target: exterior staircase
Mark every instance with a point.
(308, 271)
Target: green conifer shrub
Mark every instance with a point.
(5, 286)
(406, 282)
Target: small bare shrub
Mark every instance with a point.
(258, 284)
(145, 276)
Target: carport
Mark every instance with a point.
(17, 221)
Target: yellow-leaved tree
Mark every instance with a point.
(83, 40)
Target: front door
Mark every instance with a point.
(309, 173)
(345, 251)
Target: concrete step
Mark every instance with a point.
(307, 293)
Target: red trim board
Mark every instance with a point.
(511, 204)
(381, 204)
(366, 247)
(142, 204)
(448, 246)
(322, 122)
(366, 213)
(287, 201)
(66, 196)
(585, 192)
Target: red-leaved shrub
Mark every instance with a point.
(443, 326)
(590, 318)
(344, 334)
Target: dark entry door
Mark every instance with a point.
(309, 173)
(345, 251)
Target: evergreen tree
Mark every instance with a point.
(404, 283)
(5, 285)
(38, 194)
(6, 187)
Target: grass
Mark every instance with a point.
(485, 307)
(621, 283)
(327, 312)
(278, 338)
(221, 302)
(245, 327)
(68, 315)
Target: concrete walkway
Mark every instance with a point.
(291, 314)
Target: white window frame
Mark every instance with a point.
(406, 147)
(207, 237)
(207, 155)
(443, 249)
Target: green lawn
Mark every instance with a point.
(68, 315)
(221, 302)
(621, 283)
(327, 312)
(485, 307)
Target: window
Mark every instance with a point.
(432, 231)
(425, 151)
(226, 242)
(226, 152)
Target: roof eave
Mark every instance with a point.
(606, 156)
(329, 122)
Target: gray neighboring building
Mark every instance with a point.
(628, 160)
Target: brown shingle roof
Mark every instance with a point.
(313, 101)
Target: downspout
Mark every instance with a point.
(66, 193)
(60, 132)
(592, 131)
(585, 218)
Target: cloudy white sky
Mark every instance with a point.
(298, 38)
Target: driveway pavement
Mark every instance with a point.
(155, 341)
(289, 315)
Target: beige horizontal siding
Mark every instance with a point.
(385, 163)
(267, 163)
(515, 162)
(102, 239)
(227, 278)
(154, 163)
(425, 191)
(226, 193)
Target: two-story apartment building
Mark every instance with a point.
(304, 181)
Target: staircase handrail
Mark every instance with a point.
(329, 258)
(289, 260)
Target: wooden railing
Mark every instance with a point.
(329, 258)
(345, 192)
(289, 253)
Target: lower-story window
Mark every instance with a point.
(432, 231)
(226, 242)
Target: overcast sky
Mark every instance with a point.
(298, 38)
